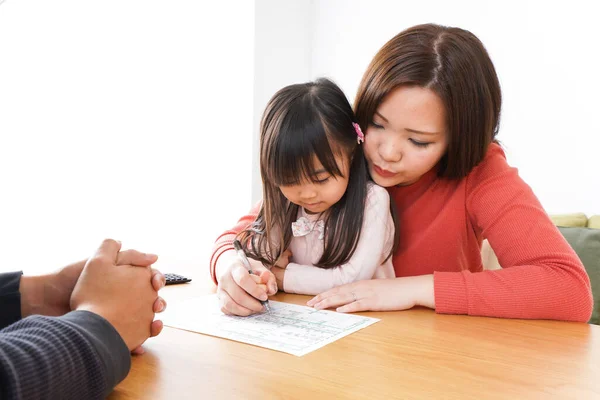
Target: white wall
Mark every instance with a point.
(283, 49)
(546, 54)
(121, 119)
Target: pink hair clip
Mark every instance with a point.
(359, 133)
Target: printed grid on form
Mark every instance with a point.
(288, 328)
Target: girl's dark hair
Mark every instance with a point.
(453, 63)
(301, 122)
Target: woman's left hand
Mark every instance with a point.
(378, 295)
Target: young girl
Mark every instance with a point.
(319, 207)
(430, 103)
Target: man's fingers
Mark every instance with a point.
(159, 305)
(158, 280)
(109, 249)
(134, 257)
(156, 328)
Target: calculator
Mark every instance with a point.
(173, 279)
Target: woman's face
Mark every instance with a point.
(407, 137)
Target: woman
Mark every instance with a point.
(429, 104)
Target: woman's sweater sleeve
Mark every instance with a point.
(225, 241)
(541, 276)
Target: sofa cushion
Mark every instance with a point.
(594, 222)
(586, 243)
(572, 220)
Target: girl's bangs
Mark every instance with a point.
(295, 152)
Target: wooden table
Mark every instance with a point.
(411, 354)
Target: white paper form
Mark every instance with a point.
(288, 328)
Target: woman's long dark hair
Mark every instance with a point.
(454, 64)
(301, 122)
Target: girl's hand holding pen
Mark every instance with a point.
(238, 291)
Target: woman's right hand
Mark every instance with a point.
(238, 291)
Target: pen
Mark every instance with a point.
(242, 256)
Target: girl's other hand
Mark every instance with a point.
(378, 295)
(279, 276)
(284, 260)
(238, 291)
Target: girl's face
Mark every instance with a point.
(324, 192)
(407, 138)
